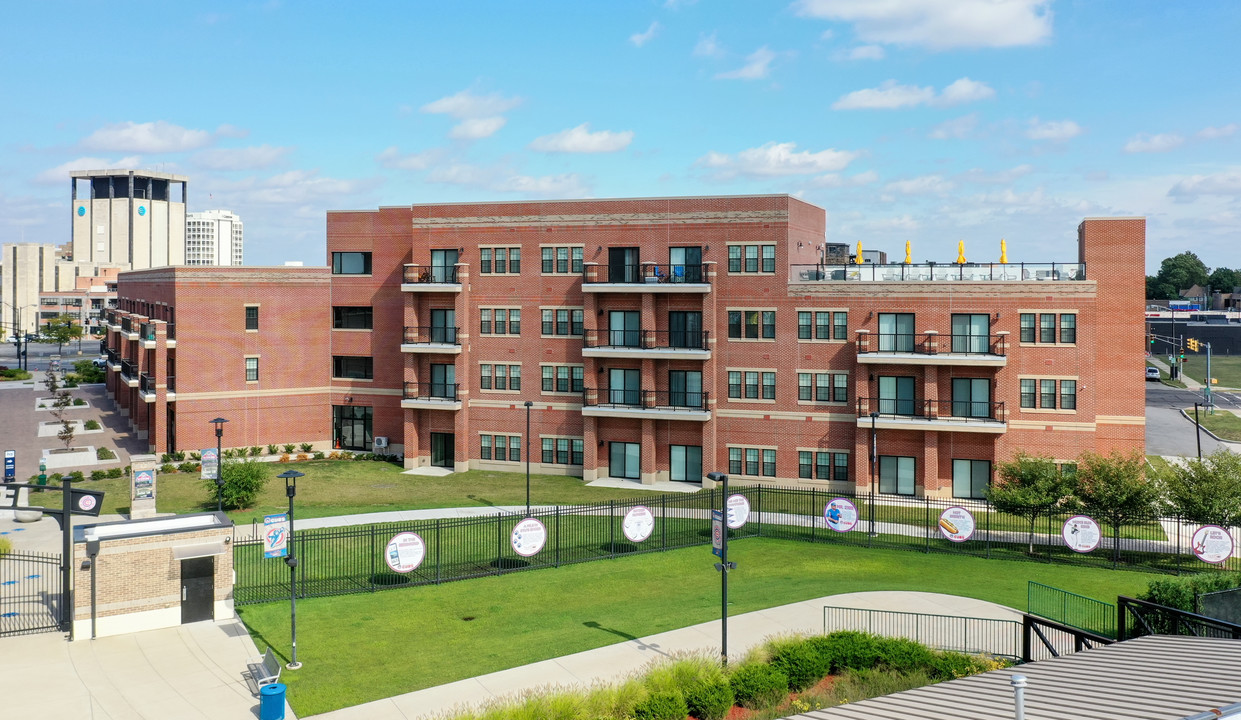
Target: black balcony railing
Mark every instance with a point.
(431, 391)
(650, 272)
(171, 383)
(938, 272)
(146, 384)
(933, 344)
(171, 329)
(113, 358)
(431, 273)
(637, 398)
(146, 331)
(127, 324)
(431, 334)
(977, 410)
(129, 368)
(648, 339)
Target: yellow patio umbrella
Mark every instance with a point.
(961, 252)
(908, 254)
(1003, 251)
(859, 252)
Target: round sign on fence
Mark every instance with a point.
(738, 510)
(638, 524)
(956, 524)
(840, 514)
(405, 552)
(1081, 533)
(529, 537)
(1212, 544)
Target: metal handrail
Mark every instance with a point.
(651, 272)
(647, 339)
(430, 274)
(432, 334)
(932, 343)
(636, 398)
(431, 390)
(924, 409)
(938, 272)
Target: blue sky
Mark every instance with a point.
(930, 121)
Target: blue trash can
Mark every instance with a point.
(271, 701)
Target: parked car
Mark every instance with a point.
(1152, 373)
(100, 362)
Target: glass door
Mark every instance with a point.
(896, 332)
(685, 329)
(444, 381)
(896, 395)
(443, 450)
(686, 463)
(971, 333)
(624, 460)
(971, 397)
(686, 264)
(444, 326)
(443, 266)
(685, 388)
(623, 265)
(623, 387)
(623, 328)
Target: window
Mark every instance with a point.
(896, 475)
(351, 427)
(896, 332)
(1027, 327)
(751, 385)
(752, 324)
(354, 368)
(499, 377)
(351, 263)
(562, 260)
(562, 378)
(625, 460)
(501, 260)
(804, 386)
(1068, 394)
(499, 321)
(1068, 328)
(970, 478)
(822, 325)
(823, 464)
(841, 466)
(803, 325)
(1047, 394)
(971, 397)
(751, 258)
(805, 465)
(351, 318)
(971, 333)
(563, 322)
(840, 325)
(896, 395)
(686, 465)
(1047, 328)
(685, 389)
(840, 388)
(507, 447)
(823, 387)
(1027, 393)
(252, 317)
(252, 369)
(757, 462)
(562, 451)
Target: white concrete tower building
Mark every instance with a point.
(213, 237)
(134, 218)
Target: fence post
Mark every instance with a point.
(439, 543)
(663, 521)
(758, 513)
(612, 528)
(990, 510)
(1178, 544)
(814, 520)
(557, 536)
(499, 542)
(373, 558)
(926, 503)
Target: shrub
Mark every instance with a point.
(289, 448)
(78, 402)
(346, 455)
(318, 456)
(228, 454)
(76, 476)
(284, 457)
(103, 453)
(273, 449)
(948, 665)
(5, 546)
(165, 458)
(855, 685)
(904, 655)
(256, 451)
(307, 447)
(848, 650)
(196, 457)
(187, 467)
(302, 456)
(243, 481)
(167, 468)
(709, 698)
(758, 685)
(55, 477)
(800, 662)
(362, 456)
(98, 474)
(1179, 592)
(333, 455)
(91, 425)
(178, 456)
(664, 705)
(113, 472)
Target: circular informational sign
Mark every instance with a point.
(405, 552)
(638, 524)
(956, 524)
(81, 210)
(1081, 533)
(86, 503)
(738, 510)
(529, 537)
(142, 209)
(1212, 544)
(840, 514)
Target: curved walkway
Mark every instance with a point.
(614, 662)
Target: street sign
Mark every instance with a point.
(717, 533)
(275, 535)
(10, 466)
(211, 464)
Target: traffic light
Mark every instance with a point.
(1192, 344)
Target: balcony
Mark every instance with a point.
(431, 396)
(939, 272)
(657, 344)
(170, 388)
(934, 415)
(146, 333)
(649, 277)
(171, 336)
(129, 372)
(112, 319)
(929, 348)
(430, 278)
(146, 387)
(432, 339)
(114, 360)
(656, 404)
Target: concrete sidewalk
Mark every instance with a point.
(614, 662)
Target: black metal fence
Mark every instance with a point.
(992, 636)
(30, 593)
(1136, 618)
(350, 560)
(1071, 609)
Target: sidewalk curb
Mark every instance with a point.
(1215, 437)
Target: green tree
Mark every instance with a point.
(1207, 490)
(62, 329)
(1177, 273)
(1115, 490)
(1030, 487)
(243, 481)
(1224, 279)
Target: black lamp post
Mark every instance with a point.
(723, 566)
(290, 488)
(219, 464)
(1198, 427)
(874, 459)
(528, 406)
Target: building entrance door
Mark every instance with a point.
(197, 589)
(443, 450)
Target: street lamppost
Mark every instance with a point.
(874, 459)
(219, 464)
(1198, 428)
(527, 441)
(723, 566)
(290, 488)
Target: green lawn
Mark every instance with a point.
(1225, 368)
(359, 648)
(1222, 422)
(335, 487)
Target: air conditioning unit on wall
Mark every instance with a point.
(381, 442)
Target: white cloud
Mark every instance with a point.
(642, 38)
(939, 24)
(581, 140)
(1143, 143)
(248, 158)
(955, 129)
(777, 159)
(708, 46)
(757, 65)
(836, 180)
(1000, 177)
(891, 96)
(1054, 130)
(1214, 133)
(300, 186)
(477, 128)
(924, 185)
(151, 137)
(569, 185)
(231, 131)
(466, 104)
(867, 52)
(393, 158)
(898, 223)
(60, 173)
(1225, 183)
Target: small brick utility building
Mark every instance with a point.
(656, 339)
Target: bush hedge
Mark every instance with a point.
(757, 684)
(663, 705)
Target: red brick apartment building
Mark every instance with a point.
(655, 339)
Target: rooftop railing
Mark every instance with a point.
(939, 272)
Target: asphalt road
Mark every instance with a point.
(38, 353)
(1167, 431)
